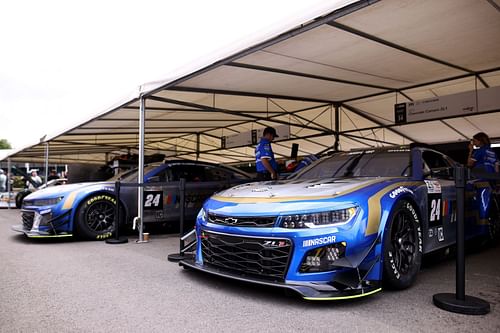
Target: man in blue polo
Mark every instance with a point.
(264, 157)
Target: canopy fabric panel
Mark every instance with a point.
(333, 81)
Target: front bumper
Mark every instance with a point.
(308, 290)
(39, 233)
(37, 225)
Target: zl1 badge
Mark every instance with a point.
(153, 200)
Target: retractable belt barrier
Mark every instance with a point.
(187, 240)
(118, 185)
(459, 302)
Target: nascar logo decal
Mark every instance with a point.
(319, 241)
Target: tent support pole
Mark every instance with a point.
(9, 188)
(197, 146)
(140, 177)
(46, 161)
(337, 127)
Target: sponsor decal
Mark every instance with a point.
(319, 241)
(393, 266)
(417, 221)
(104, 235)
(101, 197)
(398, 191)
(449, 209)
(261, 189)
(433, 186)
(440, 234)
(170, 199)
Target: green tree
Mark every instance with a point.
(4, 144)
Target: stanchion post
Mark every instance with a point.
(460, 181)
(179, 256)
(459, 302)
(117, 239)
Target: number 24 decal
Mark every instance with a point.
(152, 200)
(435, 210)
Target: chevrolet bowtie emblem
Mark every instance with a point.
(230, 220)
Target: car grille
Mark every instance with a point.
(263, 257)
(28, 218)
(259, 221)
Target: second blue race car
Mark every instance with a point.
(87, 210)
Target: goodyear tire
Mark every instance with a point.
(402, 247)
(95, 217)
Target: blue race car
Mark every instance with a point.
(344, 226)
(88, 209)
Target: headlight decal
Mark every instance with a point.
(70, 200)
(46, 202)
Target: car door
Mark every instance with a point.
(155, 195)
(441, 200)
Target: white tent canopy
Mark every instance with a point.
(334, 80)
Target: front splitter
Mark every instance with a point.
(38, 234)
(307, 290)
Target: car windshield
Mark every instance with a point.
(360, 164)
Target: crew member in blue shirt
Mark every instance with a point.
(483, 157)
(264, 157)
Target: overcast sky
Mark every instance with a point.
(62, 62)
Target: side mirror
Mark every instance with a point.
(446, 172)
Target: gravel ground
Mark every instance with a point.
(73, 286)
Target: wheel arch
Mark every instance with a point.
(386, 218)
(82, 200)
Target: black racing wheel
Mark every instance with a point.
(95, 217)
(402, 247)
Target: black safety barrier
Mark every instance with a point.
(118, 185)
(460, 302)
(181, 185)
(188, 239)
(117, 239)
(179, 256)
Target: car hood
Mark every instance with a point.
(297, 189)
(61, 190)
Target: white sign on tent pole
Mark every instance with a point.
(252, 137)
(461, 104)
